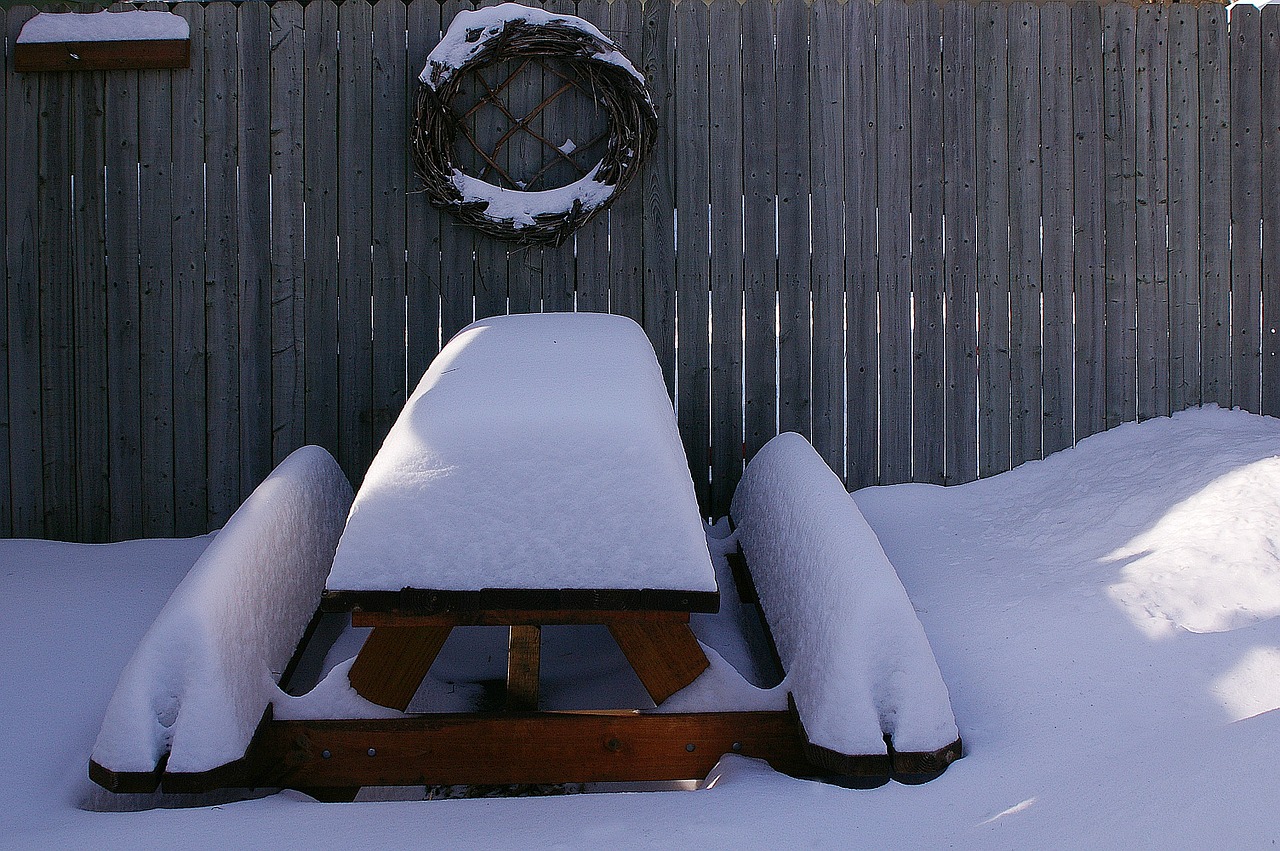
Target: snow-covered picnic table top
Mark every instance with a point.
(539, 452)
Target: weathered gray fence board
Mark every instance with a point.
(1119, 147)
(626, 216)
(500, 269)
(1151, 189)
(6, 494)
(1088, 258)
(57, 322)
(760, 275)
(1215, 207)
(959, 133)
(222, 260)
(592, 242)
(692, 188)
(254, 219)
(26, 454)
(90, 314)
(828, 57)
(927, 284)
(422, 226)
(893, 149)
(1057, 209)
(155, 276)
(1246, 207)
(355, 213)
(726, 113)
(992, 86)
(457, 245)
(791, 65)
(657, 58)
(1184, 208)
(390, 188)
(191, 478)
(558, 267)
(862, 415)
(320, 164)
(288, 191)
(1270, 210)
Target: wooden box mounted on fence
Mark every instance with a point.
(103, 41)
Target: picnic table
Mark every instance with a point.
(535, 477)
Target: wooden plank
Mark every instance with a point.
(1119, 147)
(1215, 206)
(760, 265)
(254, 221)
(523, 655)
(1057, 210)
(557, 264)
(1246, 207)
(1151, 188)
(1184, 208)
(26, 452)
(960, 201)
(657, 61)
(189, 349)
(288, 194)
(423, 601)
(1271, 210)
(457, 245)
(88, 243)
(592, 241)
(794, 272)
(85, 56)
(726, 117)
(692, 196)
(355, 213)
(506, 748)
(861, 343)
(1025, 284)
(423, 221)
(828, 58)
(222, 260)
(626, 216)
(491, 275)
(56, 312)
(155, 294)
(666, 657)
(320, 164)
(390, 184)
(893, 145)
(992, 111)
(1088, 258)
(393, 661)
(928, 291)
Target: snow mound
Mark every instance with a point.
(206, 670)
(538, 451)
(858, 664)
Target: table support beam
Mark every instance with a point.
(523, 658)
(666, 657)
(393, 662)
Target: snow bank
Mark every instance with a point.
(539, 451)
(132, 25)
(858, 664)
(204, 673)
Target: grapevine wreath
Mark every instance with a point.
(484, 37)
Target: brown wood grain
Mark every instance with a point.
(523, 662)
(666, 657)
(393, 662)
(102, 55)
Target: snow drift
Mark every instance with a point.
(858, 664)
(204, 673)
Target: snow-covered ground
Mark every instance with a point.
(1105, 620)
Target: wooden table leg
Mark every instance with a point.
(523, 662)
(393, 662)
(666, 656)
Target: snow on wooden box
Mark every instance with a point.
(858, 664)
(204, 673)
(538, 452)
(103, 41)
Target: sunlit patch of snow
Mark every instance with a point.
(1252, 687)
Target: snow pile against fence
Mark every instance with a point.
(858, 664)
(538, 451)
(204, 673)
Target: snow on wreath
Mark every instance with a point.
(507, 33)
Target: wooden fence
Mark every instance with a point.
(939, 240)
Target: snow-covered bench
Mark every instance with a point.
(205, 672)
(858, 664)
